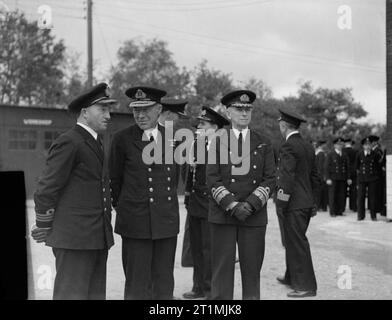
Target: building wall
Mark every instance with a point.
(27, 132)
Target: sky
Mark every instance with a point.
(281, 42)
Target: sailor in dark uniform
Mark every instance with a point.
(352, 188)
(297, 189)
(321, 156)
(197, 204)
(240, 181)
(72, 201)
(337, 169)
(366, 167)
(172, 111)
(144, 190)
(376, 148)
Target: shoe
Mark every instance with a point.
(374, 219)
(193, 295)
(301, 294)
(282, 280)
(360, 219)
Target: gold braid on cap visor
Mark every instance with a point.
(142, 103)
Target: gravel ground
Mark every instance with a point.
(340, 247)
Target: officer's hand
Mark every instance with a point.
(240, 212)
(329, 182)
(40, 234)
(349, 182)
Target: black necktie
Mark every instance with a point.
(240, 144)
(151, 138)
(100, 142)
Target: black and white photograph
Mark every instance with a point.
(198, 150)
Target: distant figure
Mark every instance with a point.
(352, 188)
(365, 165)
(337, 169)
(321, 157)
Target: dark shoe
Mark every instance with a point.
(360, 219)
(301, 294)
(193, 295)
(374, 219)
(282, 280)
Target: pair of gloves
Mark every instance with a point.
(242, 210)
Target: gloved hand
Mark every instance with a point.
(240, 211)
(40, 234)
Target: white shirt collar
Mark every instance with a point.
(153, 132)
(338, 152)
(237, 132)
(88, 129)
(290, 134)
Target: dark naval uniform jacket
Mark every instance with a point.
(337, 167)
(144, 196)
(366, 166)
(196, 185)
(298, 181)
(255, 187)
(73, 194)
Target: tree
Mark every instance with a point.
(329, 112)
(147, 63)
(30, 63)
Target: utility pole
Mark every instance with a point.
(89, 43)
(389, 106)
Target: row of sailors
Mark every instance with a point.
(353, 174)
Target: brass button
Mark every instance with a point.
(149, 169)
(104, 199)
(254, 167)
(232, 180)
(150, 179)
(255, 153)
(103, 189)
(151, 200)
(168, 188)
(254, 181)
(168, 178)
(151, 189)
(169, 198)
(168, 168)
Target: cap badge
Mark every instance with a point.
(203, 113)
(244, 98)
(140, 94)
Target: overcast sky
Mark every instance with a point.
(278, 41)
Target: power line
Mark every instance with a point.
(104, 41)
(242, 49)
(190, 9)
(273, 51)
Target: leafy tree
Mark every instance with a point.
(329, 111)
(30, 63)
(147, 63)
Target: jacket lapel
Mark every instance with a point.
(89, 139)
(137, 138)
